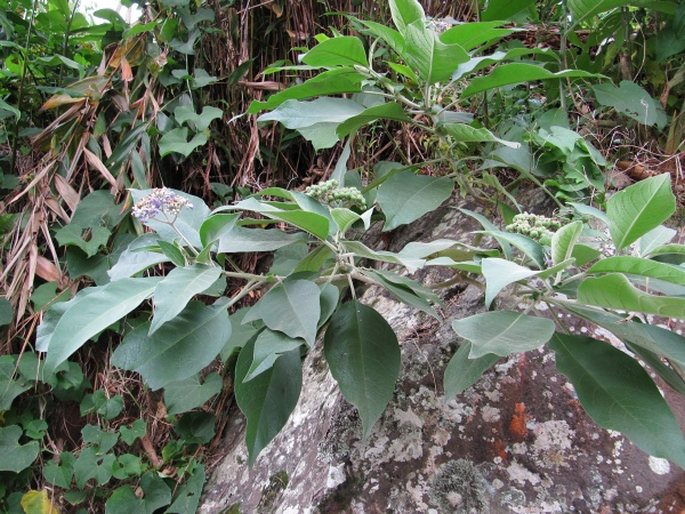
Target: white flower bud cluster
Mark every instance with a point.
(540, 228)
(332, 194)
(160, 200)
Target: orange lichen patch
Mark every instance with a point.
(500, 449)
(517, 427)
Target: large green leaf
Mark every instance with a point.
(241, 240)
(216, 226)
(583, 9)
(316, 224)
(505, 9)
(499, 273)
(91, 313)
(655, 339)
(179, 349)
(619, 395)
(503, 332)
(176, 140)
(386, 111)
(180, 397)
(268, 400)
(615, 291)
(337, 51)
(642, 267)
(405, 197)
(362, 352)
(473, 34)
(16, 457)
(633, 101)
(462, 372)
(463, 133)
(564, 241)
(316, 120)
(332, 82)
(518, 73)
(406, 12)
(179, 287)
(425, 53)
(292, 307)
(640, 208)
(137, 257)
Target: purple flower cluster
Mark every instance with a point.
(161, 200)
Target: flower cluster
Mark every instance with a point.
(332, 194)
(535, 226)
(161, 200)
(440, 25)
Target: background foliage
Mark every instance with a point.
(221, 100)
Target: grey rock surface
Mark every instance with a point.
(516, 442)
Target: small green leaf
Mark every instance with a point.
(462, 372)
(518, 73)
(614, 291)
(291, 307)
(89, 240)
(528, 246)
(364, 357)
(406, 290)
(90, 313)
(361, 250)
(619, 395)
(6, 312)
(639, 208)
(16, 457)
(499, 273)
(405, 197)
(268, 347)
(503, 332)
(179, 349)
(188, 496)
(179, 287)
(268, 400)
(564, 241)
(337, 51)
(641, 267)
(176, 140)
(137, 430)
(186, 113)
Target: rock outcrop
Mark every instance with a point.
(518, 441)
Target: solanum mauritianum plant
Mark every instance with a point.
(600, 269)
(310, 290)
